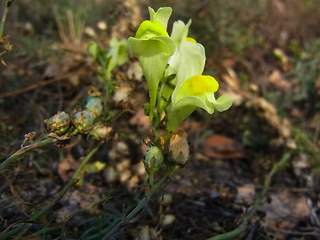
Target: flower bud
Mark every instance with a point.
(59, 123)
(94, 105)
(179, 148)
(100, 132)
(83, 121)
(153, 160)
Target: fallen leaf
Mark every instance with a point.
(219, 146)
(285, 211)
(67, 167)
(245, 194)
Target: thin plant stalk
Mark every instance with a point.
(143, 202)
(243, 226)
(40, 143)
(22, 151)
(4, 16)
(66, 188)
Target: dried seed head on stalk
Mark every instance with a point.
(100, 132)
(179, 148)
(83, 121)
(59, 123)
(94, 105)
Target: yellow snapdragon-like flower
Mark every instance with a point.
(192, 89)
(153, 46)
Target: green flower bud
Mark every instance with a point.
(94, 105)
(153, 160)
(59, 123)
(83, 121)
(100, 132)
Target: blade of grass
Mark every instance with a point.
(4, 16)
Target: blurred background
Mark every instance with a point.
(265, 53)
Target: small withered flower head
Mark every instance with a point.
(179, 148)
(83, 121)
(100, 132)
(94, 105)
(59, 123)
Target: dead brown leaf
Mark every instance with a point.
(285, 211)
(67, 167)
(219, 146)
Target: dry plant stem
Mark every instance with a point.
(61, 31)
(243, 226)
(63, 75)
(66, 188)
(143, 202)
(72, 31)
(22, 151)
(29, 88)
(25, 149)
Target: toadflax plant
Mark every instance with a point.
(173, 68)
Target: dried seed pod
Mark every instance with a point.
(59, 123)
(153, 160)
(179, 148)
(94, 105)
(83, 121)
(100, 132)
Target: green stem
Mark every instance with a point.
(66, 188)
(143, 202)
(4, 16)
(243, 226)
(167, 136)
(151, 178)
(158, 116)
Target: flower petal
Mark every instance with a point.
(197, 86)
(221, 104)
(177, 112)
(153, 55)
(162, 15)
(149, 29)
